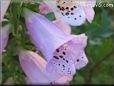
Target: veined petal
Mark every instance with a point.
(46, 36)
(34, 67)
(65, 27)
(89, 12)
(4, 35)
(4, 7)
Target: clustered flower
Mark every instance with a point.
(64, 53)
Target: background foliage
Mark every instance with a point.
(100, 49)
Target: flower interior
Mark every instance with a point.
(67, 58)
(72, 13)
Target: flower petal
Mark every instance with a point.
(46, 36)
(74, 17)
(64, 80)
(51, 4)
(44, 9)
(34, 67)
(61, 67)
(4, 7)
(89, 12)
(4, 35)
(65, 27)
(90, 3)
(80, 40)
(81, 60)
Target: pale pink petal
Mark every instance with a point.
(80, 39)
(4, 7)
(4, 35)
(81, 60)
(34, 67)
(89, 12)
(44, 9)
(64, 80)
(51, 4)
(90, 3)
(65, 27)
(86, 3)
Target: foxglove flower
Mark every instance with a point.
(4, 7)
(73, 12)
(60, 50)
(4, 34)
(34, 66)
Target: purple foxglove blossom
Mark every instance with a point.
(4, 7)
(4, 34)
(60, 50)
(34, 66)
(73, 12)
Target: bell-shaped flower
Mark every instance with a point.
(4, 34)
(4, 7)
(60, 49)
(34, 66)
(73, 12)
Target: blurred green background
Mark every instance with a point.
(100, 48)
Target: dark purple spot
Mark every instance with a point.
(55, 57)
(72, 9)
(63, 2)
(62, 8)
(59, 64)
(72, 13)
(67, 61)
(58, 6)
(77, 60)
(75, 18)
(57, 50)
(67, 13)
(61, 56)
(63, 65)
(82, 57)
(64, 53)
(67, 7)
(79, 15)
(74, 6)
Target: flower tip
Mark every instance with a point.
(22, 54)
(84, 36)
(27, 13)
